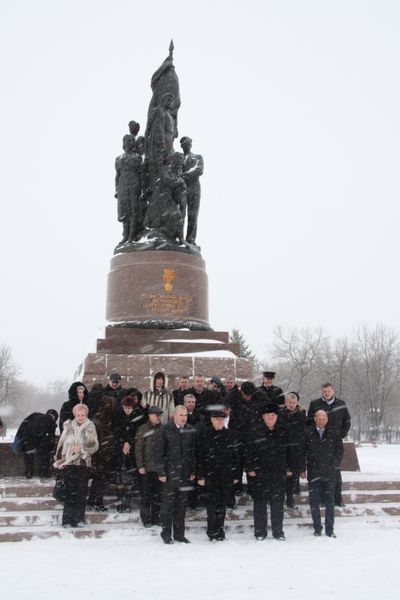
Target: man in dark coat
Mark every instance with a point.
(217, 471)
(230, 384)
(36, 435)
(194, 416)
(339, 420)
(274, 392)
(115, 390)
(246, 407)
(175, 465)
(150, 484)
(323, 449)
(293, 418)
(204, 397)
(267, 463)
(180, 392)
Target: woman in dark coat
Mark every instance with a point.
(77, 394)
(293, 417)
(128, 418)
(218, 470)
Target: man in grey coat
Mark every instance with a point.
(150, 485)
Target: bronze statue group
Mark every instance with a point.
(156, 187)
(198, 446)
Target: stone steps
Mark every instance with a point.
(28, 510)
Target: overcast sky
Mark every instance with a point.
(295, 107)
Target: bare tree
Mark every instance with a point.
(8, 374)
(375, 368)
(300, 351)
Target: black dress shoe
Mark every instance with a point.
(183, 539)
(167, 539)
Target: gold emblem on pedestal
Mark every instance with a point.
(168, 278)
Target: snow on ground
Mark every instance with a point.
(361, 563)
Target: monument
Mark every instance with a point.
(157, 293)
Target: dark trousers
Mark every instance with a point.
(322, 489)
(173, 510)
(338, 488)
(217, 500)
(275, 497)
(215, 520)
(150, 502)
(97, 489)
(76, 478)
(44, 457)
(292, 484)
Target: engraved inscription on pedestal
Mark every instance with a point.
(173, 304)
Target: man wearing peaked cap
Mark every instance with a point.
(267, 464)
(218, 470)
(150, 485)
(274, 392)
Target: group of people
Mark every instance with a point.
(193, 446)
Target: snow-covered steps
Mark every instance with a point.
(28, 510)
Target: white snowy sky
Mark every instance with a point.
(295, 108)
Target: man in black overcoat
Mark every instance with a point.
(217, 463)
(293, 417)
(174, 452)
(267, 465)
(339, 420)
(246, 407)
(37, 435)
(274, 392)
(323, 449)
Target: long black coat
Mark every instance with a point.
(323, 456)
(338, 414)
(267, 454)
(124, 429)
(217, 462)
(295, 424)
(174, 453)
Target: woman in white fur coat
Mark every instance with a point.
(77, 443)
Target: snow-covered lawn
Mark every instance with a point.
(362, 563)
